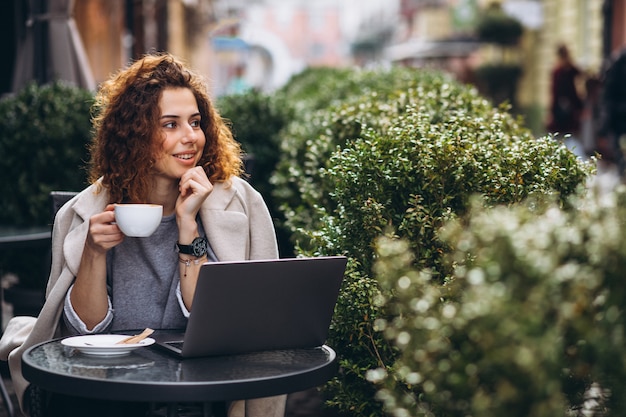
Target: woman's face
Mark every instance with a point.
(180, 126)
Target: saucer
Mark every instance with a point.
(104, 344)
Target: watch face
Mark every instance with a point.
(199, 246)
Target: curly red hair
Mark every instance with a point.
(127, 138)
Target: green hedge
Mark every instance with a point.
(399, 151)
(256, 120)
(532, 315)
(328, 108)
(44, 132)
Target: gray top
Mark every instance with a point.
(143, 284)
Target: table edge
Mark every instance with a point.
(183, 391)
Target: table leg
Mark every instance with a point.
(6, 399)
(208, 409)
(163, 410)
(172, 410)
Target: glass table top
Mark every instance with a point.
(147, 373)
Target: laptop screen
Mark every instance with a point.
(262, 305)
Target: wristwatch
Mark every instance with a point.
(199, 247)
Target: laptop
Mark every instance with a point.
(249, 306)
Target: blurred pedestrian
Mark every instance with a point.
(566, 104)
(613, 121)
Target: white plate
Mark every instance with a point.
(104, 344)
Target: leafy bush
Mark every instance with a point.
(407, 156)
(333, 115)
(318, 87)
(532, 315)
(44, 131)
(256, 120)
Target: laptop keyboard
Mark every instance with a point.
(177, 345)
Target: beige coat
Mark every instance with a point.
(238, 226)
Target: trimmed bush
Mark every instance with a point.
(256, 120)
(44, 132)
(348, 103)
(406, 152)
(531, 316)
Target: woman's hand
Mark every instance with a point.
(103, 232)
(89, 294)
(194, 188)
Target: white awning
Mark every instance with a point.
(423, 50)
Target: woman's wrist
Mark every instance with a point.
(187, 232)
(92, 251)
(191, 261)
(184, 259)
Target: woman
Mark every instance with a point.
(158, 140)
(566, 105)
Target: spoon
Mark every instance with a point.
(136, 338)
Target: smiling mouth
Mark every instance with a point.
(185, 156)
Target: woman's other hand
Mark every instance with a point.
(194, 188)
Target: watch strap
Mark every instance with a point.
(197, 248)
(184, 249)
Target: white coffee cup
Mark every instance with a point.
(138, 220)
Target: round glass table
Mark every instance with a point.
(150, 375)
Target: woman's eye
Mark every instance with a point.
(169, 125)
(195, 123)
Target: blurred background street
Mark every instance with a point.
(506, 48)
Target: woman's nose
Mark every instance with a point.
(190, 134)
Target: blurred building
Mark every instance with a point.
(235, 43)
(115, 32)
(274, 39)
(101, 36)
(437, 34)
(614, 31)
(442, 35)
(240, 44)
